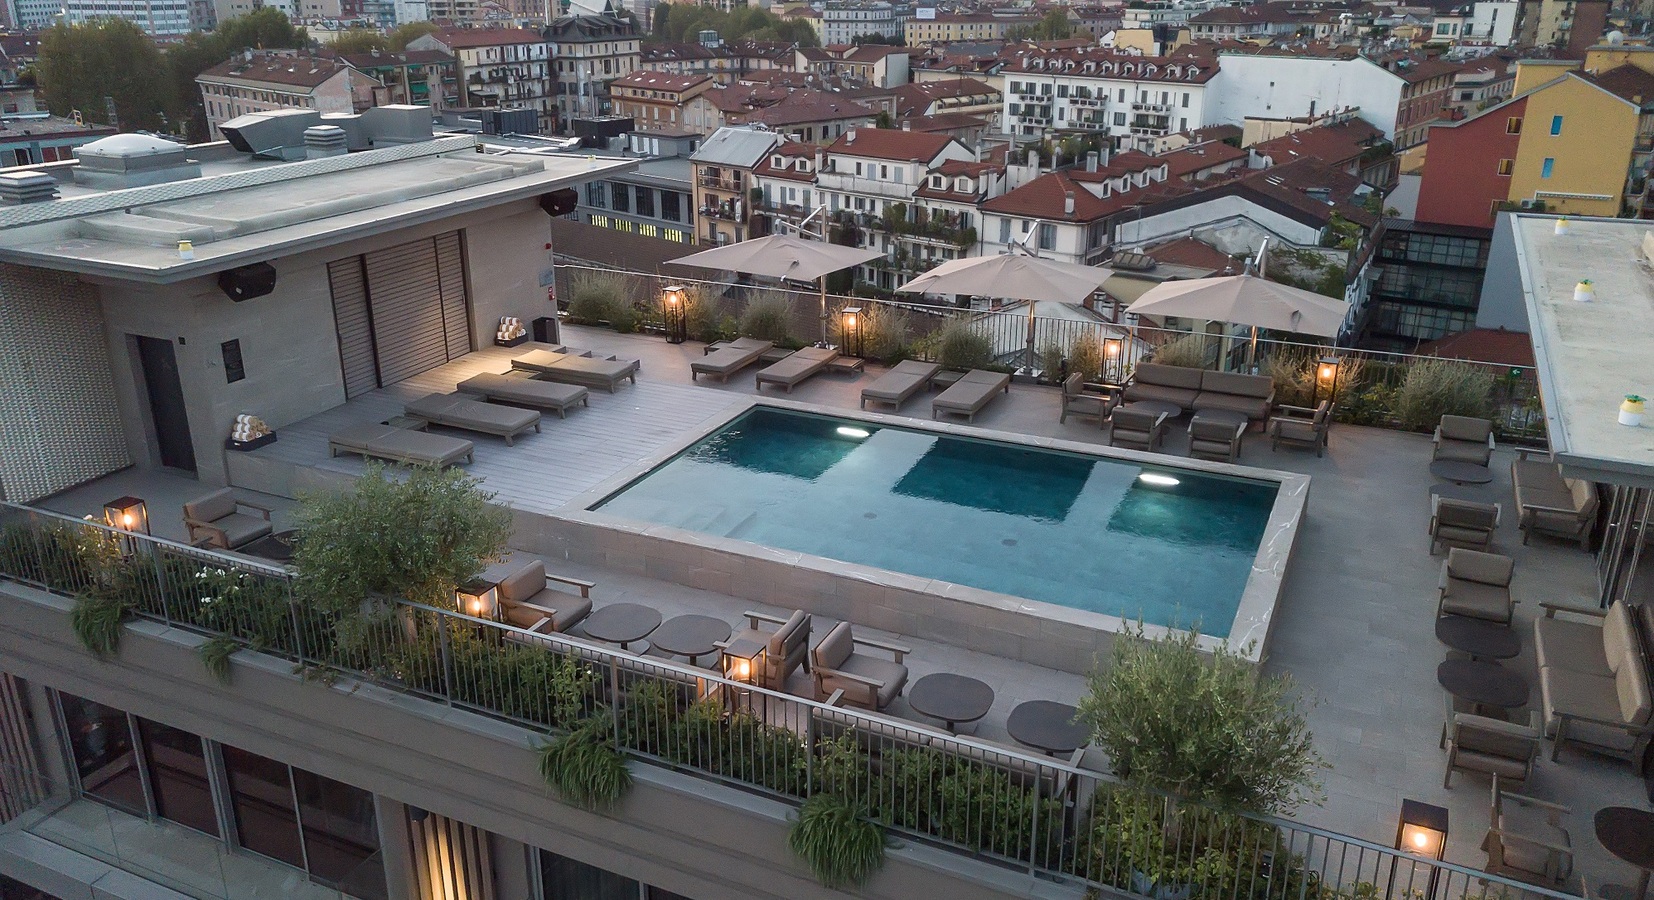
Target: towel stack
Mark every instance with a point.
(511, 328)
(248, 428)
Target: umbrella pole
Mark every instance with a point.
(1029, 360)
(822, 284)
(1252, 351)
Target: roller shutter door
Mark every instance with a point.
(400, 311)
(456, 320)
(355, 327)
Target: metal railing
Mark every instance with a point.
(1051, 818)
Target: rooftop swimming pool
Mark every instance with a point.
(1171, 545)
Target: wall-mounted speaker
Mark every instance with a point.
(559, 203)
(247, 282)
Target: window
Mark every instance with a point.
(177, 763)
(1513, 125)
(1185, 99)
(670, 210)
(340, 830)
(100, 740)
(1546, 167)
(621, 194)
(563, 877)
(858, 169)
(1556, 125)
(884, 173)
(645, 201)
(1047, 236)
(1004, 231)
(1505, 166)
(261, 798)
(1119, 118)
(597, 195)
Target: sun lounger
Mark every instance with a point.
(469, 414)
(894, 387)
(400, 445)
(970, 394)
(797, 368)
(728, 360)
(529, 392)
(569, 369)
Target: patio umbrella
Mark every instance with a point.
(1014, 276)
(1246, 300)
(783, 256)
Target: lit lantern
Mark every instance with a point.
(675, 313)
(1113, 347)
(1421, 833)
(744, 661)
(851, 325)
(478, 597)
(1326, 375)
(127, 514)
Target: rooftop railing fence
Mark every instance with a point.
(1051, 818)
(1368, 397)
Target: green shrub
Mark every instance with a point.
(596, 297)
(1206, 726)
(1152, 845)
(1193, 350)
(1295, 370)
(1085, 356)
(960, 346)
(1051, 360)
(215, 656)
(97, 617)
(767, 317)
(885, 332)
(584, 766)
(833, 834)
(1437, 387)
(702, 317)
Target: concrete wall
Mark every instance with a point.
(1501, 304)
(686, 835)
(1280, 86)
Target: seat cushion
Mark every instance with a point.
(1619, 638)
(890, 675)
(216, 505)
(1571, 645)
(1466, 428)
(1525, 830)
(525, 617)
(1458, 451)
(1472, 598)
(835, 648)
(1255, 387)
(1168, 376)
(522, 585)
(1295, 430)
(1251, 407)
(1488, 568)
(239, 528)
(570, 611)
(1591, 696)
(1183, 397)
(1535, 475)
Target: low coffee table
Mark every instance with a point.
(1465, 492)
(691, 636)
(1478, 637)
(621, 623)
(1047, 725)
(276, 547)
(1483, 683)
(951, 698)
(1461, 472)
(1155, 407)
(1628, 833)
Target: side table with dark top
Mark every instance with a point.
(1483, 683)
(1479, 638)
(1047, 725)
(1461, 472)
(621, 623)
(1155, 407)
(691, 636)
(276, 547)
(951, 698)
(1466, 492)
(1628, 834)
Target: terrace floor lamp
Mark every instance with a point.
(129, 515)
(743, 662)
(1327, 369)
(1113, 372)
(851, 322)
(1421, 833)
(480, 597)
(675, 314)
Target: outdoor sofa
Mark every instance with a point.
(894, 387)
(1594, 679)
(797, 368)
(1550, 503)
(530, 392)
(218, 520)
(470, 414)
(568, 368)
(1198, 389)
(400, 445)
(730, 358)
(973, 391)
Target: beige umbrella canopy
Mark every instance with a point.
(1012, 276)
(783, 256)
(1245, 300)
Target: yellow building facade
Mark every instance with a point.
(1576, 147)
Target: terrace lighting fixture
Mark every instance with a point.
(857, 433)
(127, 514)
(743, 663)
(1157, 478)
(1421, 833)
(1112, 347)
(676, 313)
(478, 597)
(851, 324)
(1326, 373)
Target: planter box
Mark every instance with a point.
(254, 444)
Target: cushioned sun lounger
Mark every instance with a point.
(470, 414)
(970, 394)
(589, 371)
(530, 392)
(402, 445)
(728, 360)
(894, 387)
(797, 368)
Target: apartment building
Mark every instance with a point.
(1123, 97)
(1342, 142)
(417, 77)
(801, 114)
(1492, 23)
(498, 67)
(1258, 22)
(655, 200)
(656, 101)
(946, 28)
(158, 18)
(1400, 96)
(257, 81)
(1064, 215)
(844, 20)
(589, 52)
(965, 96)
(723, 178)
(27, 138)
(725, 63)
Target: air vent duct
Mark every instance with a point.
(278, 133)
(27, 187)
(322, 141)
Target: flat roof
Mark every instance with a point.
(1590, 355)
(241, 210)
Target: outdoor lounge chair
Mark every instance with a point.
(529, 597)
(973, 391)
(217, 520)
(894, 387)
(400, 445)
(866, 680)
(568, 368)
(1136, 429)
(799, 367)
(1492, 747)
(1476, 584)
(469, 414)
(530, 392)
(1216, 440)
(1076, 402)
(786, 645)
(1302, 426)
(1462, 523)
(1526, 839)
(1463, 439)
(1548, 502)
(729, 359)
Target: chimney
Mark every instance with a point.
(322, 141)
(1091, 161)
(980, 151)
(849, 135)
(821, 158)
(1068, 203)
(1033, 158)
(17, 188)
(907, 124)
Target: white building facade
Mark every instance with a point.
(1124, 97)
(158, 18)
(1276, 87)
(1492, 22)
(842, 21)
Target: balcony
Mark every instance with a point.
(719, 183)
(728, 212)
(1159, 108)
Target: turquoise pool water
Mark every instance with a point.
(1170, 545)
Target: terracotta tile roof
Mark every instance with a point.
(458, 38)
(798, 107)
(1191, 252)
(1199, 157)
(1312, 188)
(1336, 145)
(1493, 345)
(916, 99)
(791, 150)
(1259, 14)
(660, 81)
(942, 122)
(380, 58)
(1626, 82)
(283, 69)
(1046, 197)
(890, 143)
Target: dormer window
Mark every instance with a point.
(938, 182)
(778, 161)
(962, 185)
